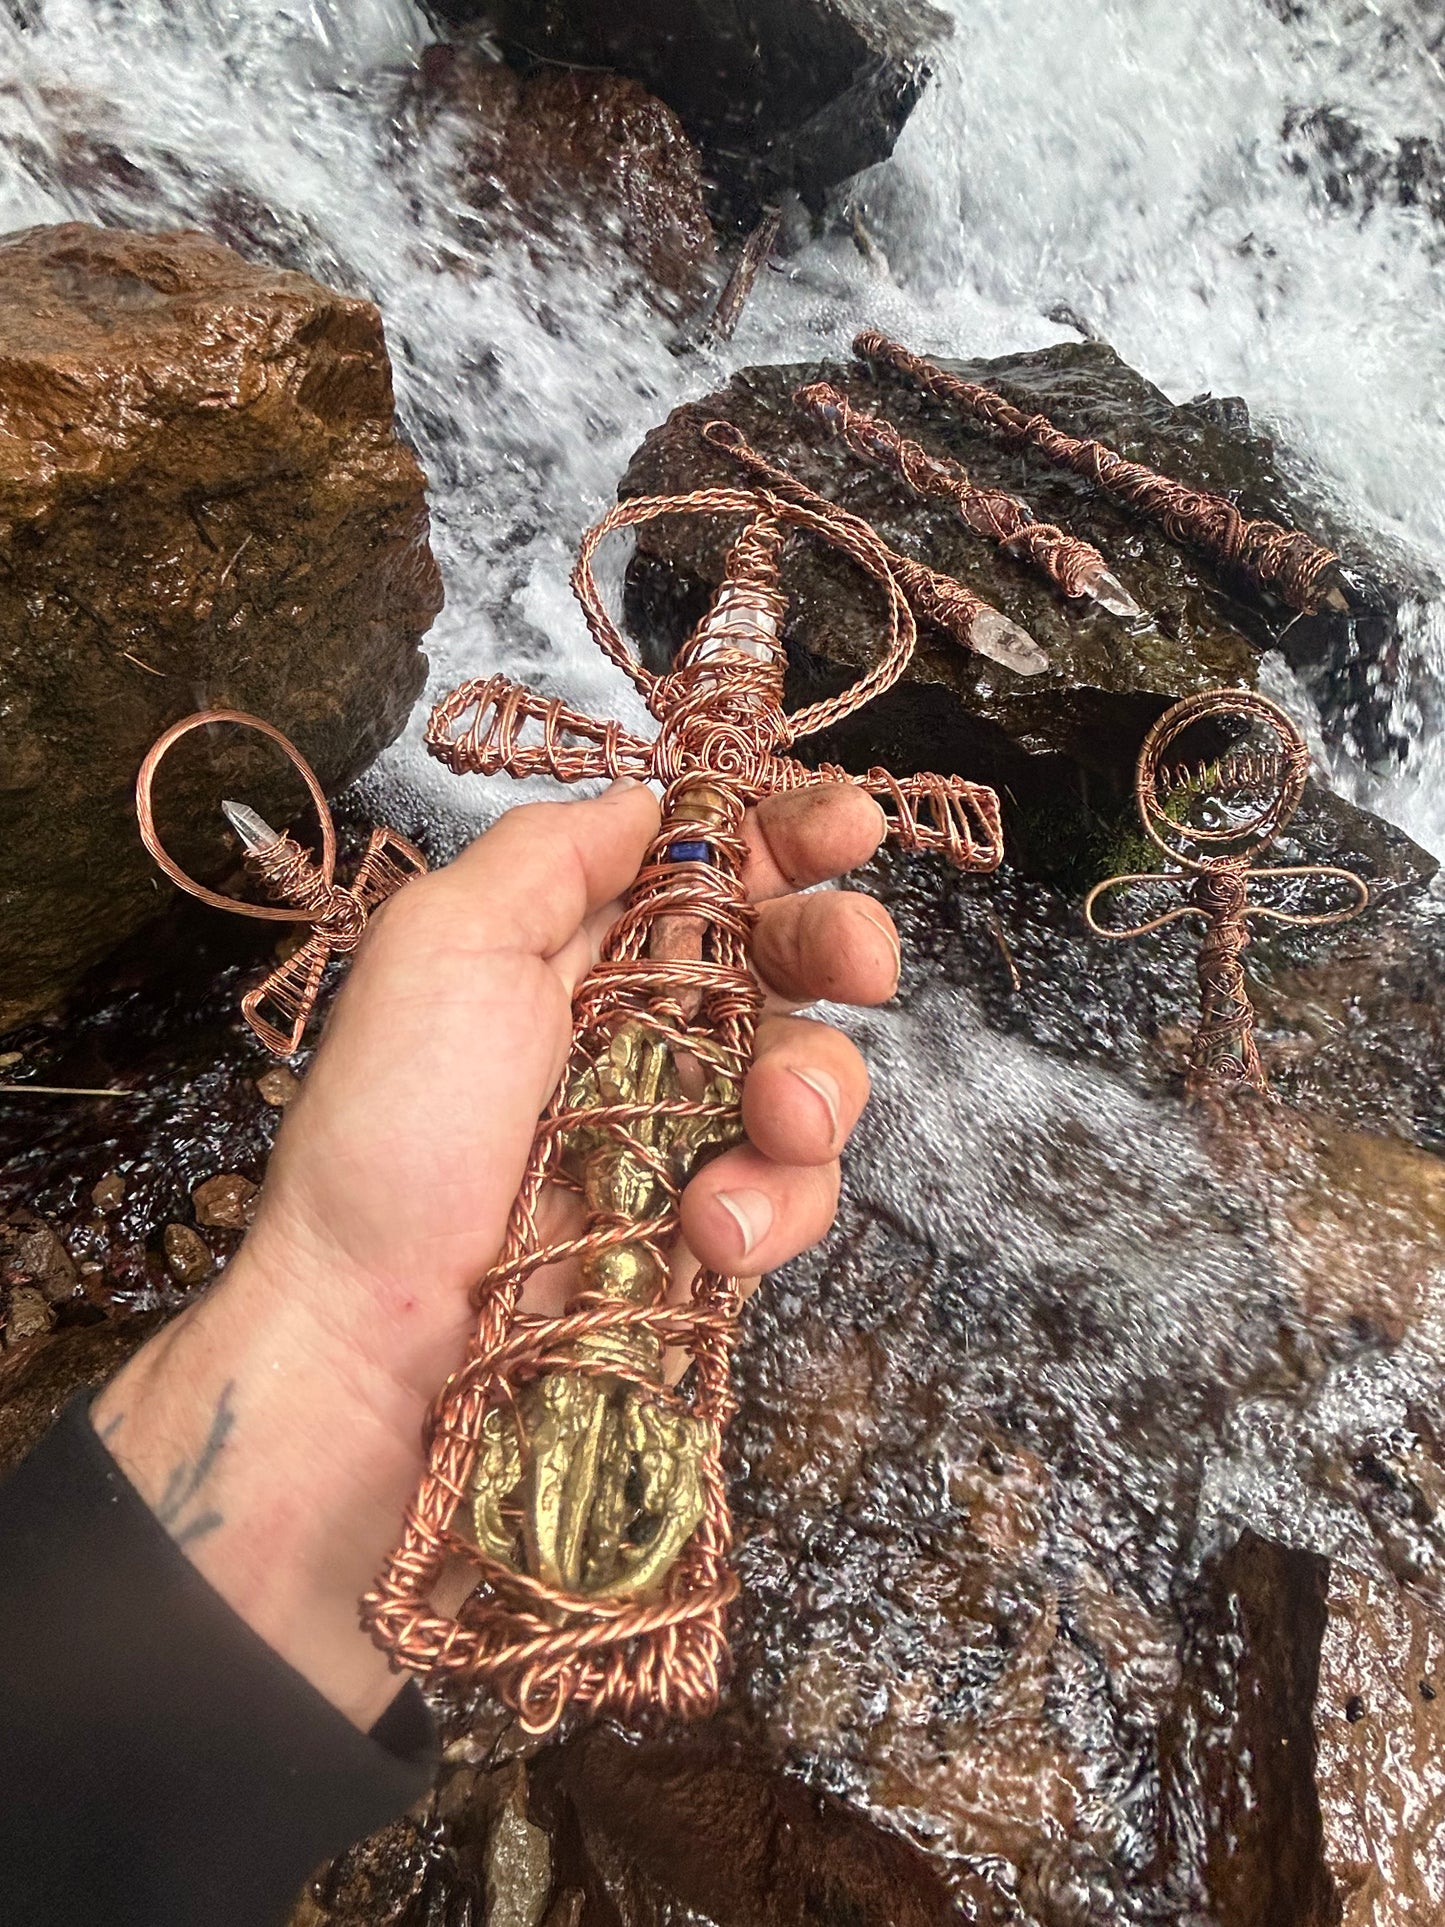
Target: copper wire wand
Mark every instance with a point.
(1073, 565)
(936, 598)
(1287, 562)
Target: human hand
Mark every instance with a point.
(275, 1426)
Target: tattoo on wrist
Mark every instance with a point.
(180, 1507)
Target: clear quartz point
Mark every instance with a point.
(994, 636)
(1109, 592)
(254, 831)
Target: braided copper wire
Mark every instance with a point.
(1218, 862)
(721, 726)
(1301, 571)
(306, 890)
(1224, 1048)
(1072, 564)
(938, 598)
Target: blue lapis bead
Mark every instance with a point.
(691, 851)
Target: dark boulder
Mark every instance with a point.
(1108, 679)
(779, 94)
(203, 502)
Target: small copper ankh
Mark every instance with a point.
(1212, 818)
(307, 890)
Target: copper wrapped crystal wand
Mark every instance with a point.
(305, 888)
(585, 1494)
(1213, 818)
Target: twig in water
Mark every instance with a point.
(753, 258)
(1002, 941)
(61, 1090)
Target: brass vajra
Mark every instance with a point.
(592, 1480)
(1213, 818)
(586, 1490)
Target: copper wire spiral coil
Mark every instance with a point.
(306, 890)
(721, 726)
(1301, 571)
(1217, 862)
(1000, 517)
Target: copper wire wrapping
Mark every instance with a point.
(1217, 862)
(721, 726)
(937, 598)
(1301, 571)
(1073, 565)
(307, 890)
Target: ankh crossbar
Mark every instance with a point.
(279, 1008)
(586, 1493)
(1216, 866)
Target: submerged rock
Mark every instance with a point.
(563, 149)
(1310, 1725)
(779, 94)
(203, 501)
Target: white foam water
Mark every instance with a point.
(1125, 158)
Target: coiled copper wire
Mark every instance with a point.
(1072, 564)
(1301, 571)
(721, 728)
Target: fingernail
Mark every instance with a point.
(752, 1213)
(885, 823)
(884, 925)
(619, 788)
(825, 1087)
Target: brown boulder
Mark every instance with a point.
(539, 158)
(203, 500)
(1309, 1733)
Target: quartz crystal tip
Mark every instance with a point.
(1109, 592)
(254, 831)
(993, 635)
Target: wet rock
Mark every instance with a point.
(1311, 1724)
(711, 1827)
(1108, 680)
(797, 96)
(519, 1861)
(38, 1382)
(27, 1315)
(1358, 170)
(278, 1087)
(188, 1256)
(201, 490)
(31, 1254)
(108, 1193)
(539, 156)
(226, 1202)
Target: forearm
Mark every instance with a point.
(280, 1462)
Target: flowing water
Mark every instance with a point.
(1126, 160)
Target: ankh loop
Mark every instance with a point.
(280, 1006)
(1212, 818)
(586, 1494)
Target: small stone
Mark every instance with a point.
(226, 1202)
(278, 1086)
(519, 1862)
(28, 1317)
(108, 1194)
(187, 1254)
(10, 1058)
(34, 1255)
